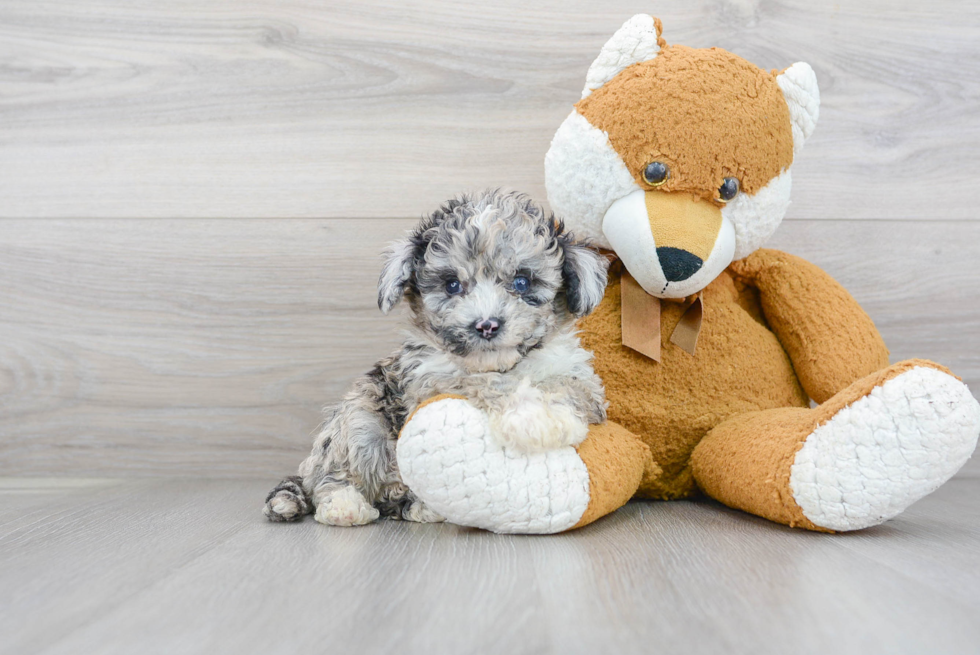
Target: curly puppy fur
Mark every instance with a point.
(494, 286)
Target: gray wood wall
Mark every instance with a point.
(193, 195)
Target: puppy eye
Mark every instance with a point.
(521, 284)
(728, 189)
(656, 173)
(453, 287)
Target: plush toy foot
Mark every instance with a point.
(448, 458)
(859, 459)
(885, 451)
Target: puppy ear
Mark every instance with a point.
(397, 271)
(584, 273)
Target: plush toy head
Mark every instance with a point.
(678, 159)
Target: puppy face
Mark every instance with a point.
(489, 277)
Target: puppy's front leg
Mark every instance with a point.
(351, 461)
(345, 506)
(533, 420)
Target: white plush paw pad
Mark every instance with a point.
(885, 451)
(346, 507)
(448, 458)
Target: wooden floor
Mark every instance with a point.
(189, 566)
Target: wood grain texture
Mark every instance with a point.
(291, 108)
(207, 347)
(190, 566)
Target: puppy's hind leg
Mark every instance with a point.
(287, 501)
(398, 502)
(420, 513)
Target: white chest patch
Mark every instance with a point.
(448, 457)
(885, 451)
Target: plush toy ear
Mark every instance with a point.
(799, 85)
(636, 41)
(397, 271)
(584, 273)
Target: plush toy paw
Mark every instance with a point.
(346, 507)
(449, 457)
(886, 450)
(530, 422)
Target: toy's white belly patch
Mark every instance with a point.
(447, 456)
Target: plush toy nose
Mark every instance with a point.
(678, 264)
(488, 327)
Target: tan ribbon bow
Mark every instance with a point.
(641, 320)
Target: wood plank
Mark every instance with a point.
(288, 108)
(952, 569)
(90, 548)
(190, 566)
(136, 343)
(207, 347)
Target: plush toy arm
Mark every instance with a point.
(831, 341)
(449, 458)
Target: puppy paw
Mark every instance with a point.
(284, 506)
(530, 421)
(420, 513)
(346, 507)
(287, 501)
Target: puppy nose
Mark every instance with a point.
(678, 264)
(488, 327)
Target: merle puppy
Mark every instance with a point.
(494, 286)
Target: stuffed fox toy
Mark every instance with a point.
(677, 162)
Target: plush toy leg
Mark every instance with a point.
(618, 462)
(857, 460)
(448, 458)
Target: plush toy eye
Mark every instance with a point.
(656, 173)
(521, 284)
(728, 189)
(453, 287)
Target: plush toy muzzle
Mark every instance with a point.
(692, 239)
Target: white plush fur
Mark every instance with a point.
(756, 217)
(627, 227)
(634, 42)
(449, 456)
(346, 507)
(799, 85)
(584, 175)
(885, 451)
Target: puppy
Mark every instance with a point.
(494, 286)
